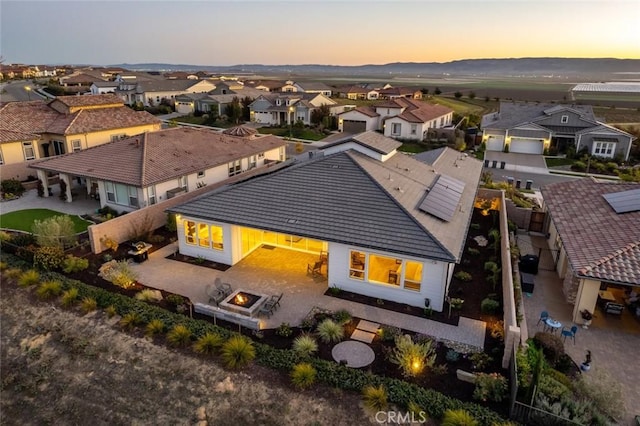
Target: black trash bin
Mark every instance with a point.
(529, 264)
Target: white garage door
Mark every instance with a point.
(495, 143)
(526, 146)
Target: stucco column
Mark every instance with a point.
(67, 179)
(42, 175)
(586, 298)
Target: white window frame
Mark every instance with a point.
(235, 167)
(201, 174)
(182, 182)
(151, 194)
(26, 148)
(396, 129)
(59, 147)
(76, 145)
(604, 149)
(133, 196)
(117, 137)
(414, 129)
(564, 119)
(253, 162)
(110, 190)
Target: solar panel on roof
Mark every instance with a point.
(625, 201)
(443, 198)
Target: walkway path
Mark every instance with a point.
(30, 200)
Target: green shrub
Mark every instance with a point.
(579, 166)
(458, 418)
(329, 331)
(375, 398)
(342, 316)
(48, 258)
(490, 387)
(480, 360)
(412, 357)
(89, 304)
(179, 335)
(463, 276)
(69, 297)
(49, 289)
(73, 264)
(604, 392)
(154, 327)
(452, 355)
(303, 375)
(148, 295)
(12, 186)
(175, 299)
(551, 345)
(475, 226)
(612, 167)
(284, 330)
(130, 320)
(553, 389)
(171, 222)
(208, 344)
(305, 345)
(56, 231)
(389, 333)
(110, 311)
(29, 278)
(237, 352)
(489, 306)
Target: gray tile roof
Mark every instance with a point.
(166, 85)
(330, 199)
(429, 157)
(156, 157)
(369, 139)
(512, 114)
(595, 237)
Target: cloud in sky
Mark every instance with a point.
(327, 32)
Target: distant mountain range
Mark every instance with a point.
(525, 67)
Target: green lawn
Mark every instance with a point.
(556, 162)
(307, 134)
(23, 219)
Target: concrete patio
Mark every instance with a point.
(614, 341)
(30, 200)
(278, 270)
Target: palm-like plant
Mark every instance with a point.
(70, 297)
(305, 345)
(89, 304)
(237, 352)
(329, 331)
(29, 278)
(303, 375)
(179, 335)
(375, 398)
(208, 344)
(154, 327)
(49, 289)
(458, 418)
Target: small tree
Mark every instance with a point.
(56, 231)
(437, 91)
(457, 95)
(472, 95)
(234, 111)
(413, 357)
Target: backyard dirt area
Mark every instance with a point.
(59, 367)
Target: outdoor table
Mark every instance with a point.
(139, 251)
(553, 325)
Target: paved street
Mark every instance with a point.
(538, 179)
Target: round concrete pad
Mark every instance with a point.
(356, 354)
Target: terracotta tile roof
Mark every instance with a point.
(366, 110)
(425, 112)
(93, 120)
(88, 100)
(27, 117)
(598, 241)
(156, 157)
(11, 136)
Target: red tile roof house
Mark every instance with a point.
(36, 129)
(397, 118)
(393, 226)
(594, 228)
(149, 168)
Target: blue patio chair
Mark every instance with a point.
(570, 333)
(543, 317)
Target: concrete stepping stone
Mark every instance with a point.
(355, 354)
(371, 327)
(363, 336)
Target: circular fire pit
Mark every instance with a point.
(356, 354)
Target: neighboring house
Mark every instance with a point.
(398, 118)
(265, 85)
(594, 234)
(533, 128)
(400, 92)
(286, 108)
(149, 168)
(153, 92)
(376, 211)
(79, 81)
(314, 87)
(102, 87)
(37, 129)
(357, 93)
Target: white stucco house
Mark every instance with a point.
(287, 108)
(149, 168)
(376, 212)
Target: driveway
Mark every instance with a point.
(513, 160)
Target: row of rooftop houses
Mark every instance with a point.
(393, 225)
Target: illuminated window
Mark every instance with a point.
(412, 275)
(385, 270)
(357, 265)
(217, 237)
(190, 231)
(203, 234)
